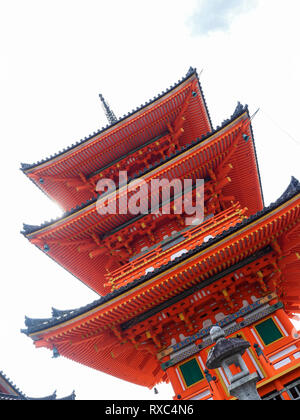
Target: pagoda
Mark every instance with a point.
(9, 392)
(164, 283)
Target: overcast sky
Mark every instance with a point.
(55, 57)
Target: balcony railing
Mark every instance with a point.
(163, 254)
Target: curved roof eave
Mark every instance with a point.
(192, 72)
(36, 326)
(240, 109)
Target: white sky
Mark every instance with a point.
(55, 57)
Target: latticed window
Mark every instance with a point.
(293, 390)
(274, 396)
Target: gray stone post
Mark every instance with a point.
(229, 352)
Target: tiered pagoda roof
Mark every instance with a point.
(9, 392)
(68, 176)
(78, 334)
(63, 238)
(148, 280)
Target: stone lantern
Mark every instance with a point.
(228, 352)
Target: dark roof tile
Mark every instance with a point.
(21, 396)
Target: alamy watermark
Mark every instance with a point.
(158, 196)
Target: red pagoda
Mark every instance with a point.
(164, 284)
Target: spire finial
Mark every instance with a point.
(108, 112)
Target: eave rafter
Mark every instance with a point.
(163, 146)
(202, 154)
(136, 343)
(140, 132)
(143, 332)
(208, 159)
(120, 252)
(145, 227)
(208, 267)
(193, 307)
(157, 150)
(177, 128)
(243, 242)
(191, 238)
(124, 135)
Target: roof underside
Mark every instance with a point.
(63, 237)
(119, 139)
(281, 220)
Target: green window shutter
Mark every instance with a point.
(191, 372)
(268, 331)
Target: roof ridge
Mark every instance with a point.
(56, 313)
(12, 385)
(22, 396)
